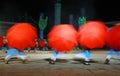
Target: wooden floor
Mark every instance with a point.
(38, 65)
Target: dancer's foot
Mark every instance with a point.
(51, 62)
(6, 61)
(24, 61)
(86, 63)
(107, 61)
(7, 58)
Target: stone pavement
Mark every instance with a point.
(37, 65)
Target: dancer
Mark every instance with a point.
(91, 36)
(62, 38)
(4, 45)
(20, 37)
(36, 48)
(113, 42)
(110, 53)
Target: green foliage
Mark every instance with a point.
(81, 20)
(42, 22)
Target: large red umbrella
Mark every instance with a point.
(21, 36)
(92, 34)
(62, 37)
(113, 37)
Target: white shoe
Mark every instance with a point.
(109, 57)
(53, 58)
(7, 59)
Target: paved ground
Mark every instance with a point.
(37, 65)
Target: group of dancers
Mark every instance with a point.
(91, 35)
(63, 38)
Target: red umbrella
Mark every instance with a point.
(62, 37)
(21, 36)
(92, 34)
(1, 40)
(113, 37)
(42, 43)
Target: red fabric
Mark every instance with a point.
(42, 43)
(113, 37)
(1, 40)
(92, 34)
(62, 37)
(21, 36)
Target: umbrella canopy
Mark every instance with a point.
(1, 40)
(21, 36)
(113, 37)
(42, 43)
(62, 37)
(92, 34)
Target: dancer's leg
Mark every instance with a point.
(53, 58)
(87, 57)
(54, 55)
(109, 55)
(22, 55)
(11, 52)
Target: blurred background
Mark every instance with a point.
(57, 11)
